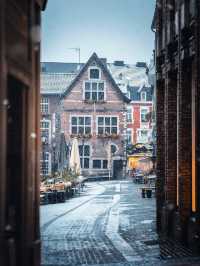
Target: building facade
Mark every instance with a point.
(139, 127)
(19, 115)
(94, 110)
(56, 77)
(177, 95)
(54, 149)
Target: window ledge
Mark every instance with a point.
(93, 101)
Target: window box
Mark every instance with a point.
(81, 136)
(107, 135)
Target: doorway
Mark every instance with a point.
(16, 126)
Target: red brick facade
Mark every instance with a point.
(178, 64)
(113, 105)
(136, 125)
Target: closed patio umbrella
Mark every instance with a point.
(109, 158)
(74, 162)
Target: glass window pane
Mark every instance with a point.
(87, 86)
(74, 130)
(100, 130)
(107, 130)
(94, 86)
(87, 120)
(80, 130)
(86, 150)
(86, 163)
(94, 73)
(114, 121)
(101, 96)
(94, 96)
(87, 96)
(87, 130)
(105, 164)
(101, 86)
(114, 130)
(80, 150)
(81, 160)
(100, 121)
(81, 120)
(74, 120)
(107, 121)
(96, 164)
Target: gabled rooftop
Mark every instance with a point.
(107, 73)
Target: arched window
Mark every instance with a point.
(114, 148)
(143, 96)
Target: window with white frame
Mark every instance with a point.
(94, 73)
(129, 116)
(100, 164)
(44, 105)
(143, 135)
(84, 151)
(129, 135)
(80, 125)
(45, 129)
(107, 125)
(94, 91)
(143, 96)
(45, 163)
(144, 118)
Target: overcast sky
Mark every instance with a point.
(115, 29)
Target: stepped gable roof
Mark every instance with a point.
(103, 66)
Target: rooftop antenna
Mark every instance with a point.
(78, 50)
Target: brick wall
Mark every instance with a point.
(74, 104)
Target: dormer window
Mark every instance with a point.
(94, 73)
(143, 96)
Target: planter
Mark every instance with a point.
(110, 136)
(143, 193)
(81, 136)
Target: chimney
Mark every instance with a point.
(119, 63)
(141, 64)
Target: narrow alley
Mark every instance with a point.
(109, 224)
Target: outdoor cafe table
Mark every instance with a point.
(138, 179)
(151, 179)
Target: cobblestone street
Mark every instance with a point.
(108, 224)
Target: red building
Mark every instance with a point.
(139, 127)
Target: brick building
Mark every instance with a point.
(54, 81)
(19, 115)
(177, 26)
(134, 81)
(94, 110)
(139, 127)
(56, 77)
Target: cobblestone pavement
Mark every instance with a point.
(109, 224)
